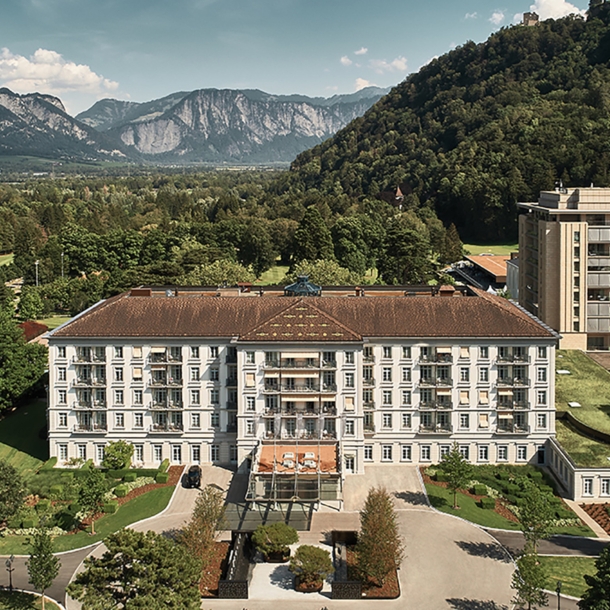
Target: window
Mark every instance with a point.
(521, 453)
(368, 453)
(119, 420)
(195, 420)
(464, 374)
(138, 453)
(250, 403)
(484, 374)
(62, 397)
(483, 420)
(214, 453)
(250, 427)
(158, 453)
(214, 397)
(406, 373)
(61, 373)
(62, 420)
(542, 374)
(215, 420)
(387, 397)
(137, 352)
(61, 351)
(118, 397)
(233, 453)
(195, 397)
(250, 357)
(405, 453)
(541, 421)
(194, 373)
(138, 420)
(195, 454)
(483, 353)
(137, 374)
(349, 403)
(406, 397)
(406, 352)
(406, 421)
(443, 450)
(138, 397)
(587, 487)
(465, 451)
(118, 373)
(502, 453)
(349, 427)
(62, 451)
(483, 453)
(214, 374)
(464, 397)
(387, 420)
(213, 351)
(464, 352)
(464, 421)
(350, 463)
(387, 351)
(605, 487)
(176, 454)
(424, 453)
(81, 451)
(484, 397)
(386, 373)
(541, 395)
(100, 452)
(386, 453)
(349, 380)
(118, 352)
(250, 380)
(542, 352)
(349, 357)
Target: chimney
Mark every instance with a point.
(446, 291)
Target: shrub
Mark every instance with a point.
(67, 476)
(487, 502)
(15, 522)
(164, 465)
(65, 519)
(479, 490)
(87, 465)
(30, 522)
(56, 491)
(117, 455)
(49, 464)
(502, 475)
(43, 505)
(536, 475)
(512, 488)
(130, 477)
(311, 564)
(512, 499)
(110, 507)
(120, 491)
(440, 476)
(162, 477)
(274, 538)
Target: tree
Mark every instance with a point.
(274, 538)
(139, 570)
(529, 580)
(219, 272)
(117, 455)
(324, 273)
(312, 240)
(91, 494)
(351, 248)
(12, 491)
(536, 513)
(43, 566)
(199, 534)
(311, 564)
(380, 548)
(453, 248)
(457, 469)
(257, 248)
(597, 595)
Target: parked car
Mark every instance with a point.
(193, 477)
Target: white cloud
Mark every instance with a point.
(381, 65)
(471, 15)
(497, 17)
(361, 83)
(333, 88)
(361, 51)
(554, 9)
(346, 61)
(48, 72)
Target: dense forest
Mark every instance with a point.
(482, 127)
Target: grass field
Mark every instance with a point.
(570, 571)
(442, 499)
(586, 452)
(142, 507)
(273, 276)
(24, 601)
(6, 259)
(588, 384)
(54, 321)
(498, 249)
(20, 441)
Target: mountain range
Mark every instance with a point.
(207, 125)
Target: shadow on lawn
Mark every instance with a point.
(484, 549)
(473, 604)
(438, 502)
(18, 601)
(20, 429)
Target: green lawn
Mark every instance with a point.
(273, 276)
(570, 571)
(23, 601)
(142, 507)
(20, 440)
(586, 452)
(505, 249)
(442, 499)
(588, 384)
(6, 259)
(54, 321)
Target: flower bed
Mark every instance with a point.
(212, 574)
(599, 512)
(390, 588)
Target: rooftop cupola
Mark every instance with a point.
(303, 288)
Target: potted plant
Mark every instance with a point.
(311, 565)
(273, 541)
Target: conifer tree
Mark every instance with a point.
(312, 240)
(597, 595)
(457, 469)
(529, 580)
(43, 566)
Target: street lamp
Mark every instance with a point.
(558, 589)
(10, 569)
(36, 263)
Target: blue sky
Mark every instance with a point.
(84, 50)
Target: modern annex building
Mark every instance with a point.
(302, 390)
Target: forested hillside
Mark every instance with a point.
(482, 127)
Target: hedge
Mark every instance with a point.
(479, 490)
(67, 475)
(56, 490)
(441, 477)
(130, 477)
(164, 465)
(29, 523)
(49, 464)
(43, 505)
(487, 502)
(110, 507)
(162, 477)
(120, 491)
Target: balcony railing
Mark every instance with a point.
(509, 382)
(512, 429)
(436, 429)
(86, 358)
(520, 358)
(98, 428)
(436, 358)
(231, 381)
(369, 358)
(514, 404)
(369, 428)
(368, 382)
(329, 364)
(168, 427)
(89, 404)
(435, 404)
(168, 382)
(369, 404)
(86, 382)
(165, 404)
(436, 382)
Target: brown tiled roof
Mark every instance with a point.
(347, 318)
(32, 329)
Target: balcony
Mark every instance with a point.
(158, 358)
(511, 428)
(431, 382)
(176, 357)
(508, 358)
(231, 404)
(165, 404)
(89, 357)
(87, 382)
(232, 427)
(517, 405)
(329, 364)
(271, 388)
(301, 388)
(368, 383)
(368, 358)
(272, 364)
(231, 382)
(436, 359)
(160, 383)
(435, 404)
(369, 404)
(90, 427)
(231, 359)
(509, 382)
(167, 428)
(436, 429)
(369, 428)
